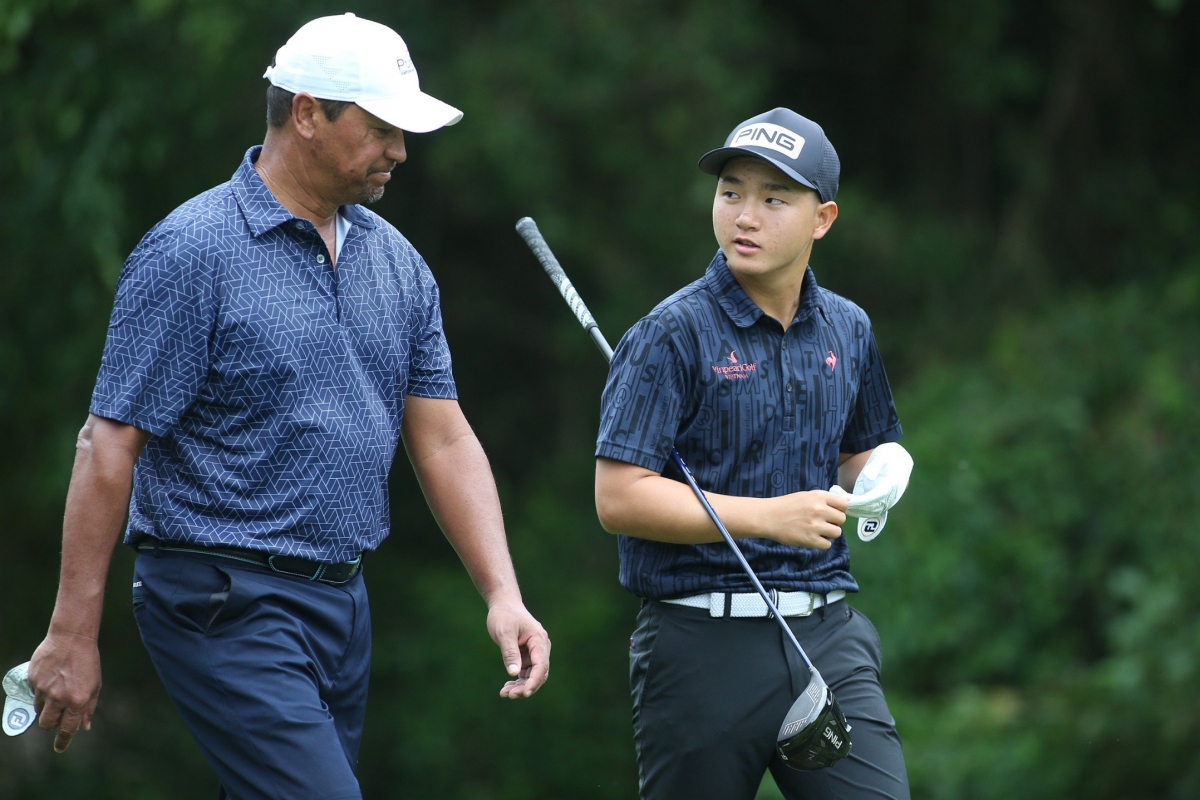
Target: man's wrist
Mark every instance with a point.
(69, 641)
(68, 627)
(751, 523)
(507, 596)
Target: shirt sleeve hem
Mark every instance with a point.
(434, 391)
(128, 416)
(631, 455)
(868, 442)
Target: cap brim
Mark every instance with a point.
(18, 716)
(713, 162)
(415, 113)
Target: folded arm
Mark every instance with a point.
(639, 502)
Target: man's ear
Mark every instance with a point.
(826, 213)
(305, 110)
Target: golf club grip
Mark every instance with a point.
(528, 230)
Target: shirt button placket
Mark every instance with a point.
(785, 365)
(327, 276)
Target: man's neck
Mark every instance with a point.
(291, 186)
(295, 192)
(777, 293)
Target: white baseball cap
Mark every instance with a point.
(358, 61)
(19, 712)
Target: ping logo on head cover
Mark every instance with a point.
(833, 738)
(769, 135)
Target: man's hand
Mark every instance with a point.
(524, 646)
(64, 674)
(804, 519)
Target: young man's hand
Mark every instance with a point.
(804, 519)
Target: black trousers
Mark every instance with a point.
(709, 695)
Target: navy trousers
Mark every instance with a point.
(709, 695)
(268, 671)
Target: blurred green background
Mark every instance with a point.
(1019, 216)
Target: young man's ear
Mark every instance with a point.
(825, 213)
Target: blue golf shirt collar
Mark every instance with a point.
(737, 304)
(262, 211)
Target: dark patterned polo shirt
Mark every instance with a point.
(755, 411)
(273, 385)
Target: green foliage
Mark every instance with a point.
(1018, 215)
(1048, 532)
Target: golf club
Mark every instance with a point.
(814, 733)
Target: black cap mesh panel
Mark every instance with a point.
(828, 172)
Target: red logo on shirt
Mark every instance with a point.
(832, 360)
(736, 369)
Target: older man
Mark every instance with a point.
(270, 343)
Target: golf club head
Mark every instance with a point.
(815, 733)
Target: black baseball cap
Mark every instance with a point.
(795, 144)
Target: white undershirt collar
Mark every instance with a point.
(341, 228)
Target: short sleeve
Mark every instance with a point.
(430, 373)
(873, 420)
(642, 404)
(157, 354)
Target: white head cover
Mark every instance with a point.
(358, 61)
(880, 486)
(19, 713)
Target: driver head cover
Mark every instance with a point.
(815, 733)
(19, 713)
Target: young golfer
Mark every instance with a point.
(773, 391)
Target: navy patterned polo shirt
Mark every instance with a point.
(755, 412)
(273, 385)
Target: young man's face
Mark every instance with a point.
(764, 221)
(357, 153)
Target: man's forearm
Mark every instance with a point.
(459, 487)
(639, 502)
(658, 508)
(96, 504)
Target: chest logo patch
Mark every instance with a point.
(735, 369)
(831, 360)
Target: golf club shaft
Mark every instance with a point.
(737, 551)
(528, 230)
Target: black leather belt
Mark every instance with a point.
(285, 565)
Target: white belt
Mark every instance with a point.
(750, 604)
